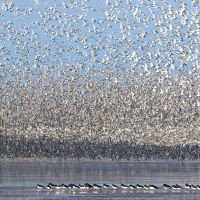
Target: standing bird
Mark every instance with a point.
(124, 186)
(114, 186)
(40, 186)
(165, 186)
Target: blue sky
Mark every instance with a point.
(98, 35)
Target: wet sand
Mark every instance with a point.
(19, 178)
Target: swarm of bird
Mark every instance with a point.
(113, 79)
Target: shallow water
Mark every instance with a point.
(18, 178)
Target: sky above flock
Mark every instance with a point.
(144, 35)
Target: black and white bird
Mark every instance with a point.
(74, 186)
(106, 185)
(87, 186)
(153, 187)
(146, 187)
(48, 186)
(63, 186)
(166, 186)
(193, 187)
(40, 186)
(96, 186)
(187, 186)
(176, 187)
(139, 186)
(123, 186)
(114, 186)
(52, 185)
(132, 187)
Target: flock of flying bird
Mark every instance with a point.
(114, 186)
(80, 73)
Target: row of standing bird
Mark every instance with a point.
(114, 186)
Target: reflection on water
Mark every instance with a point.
(22, 176)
